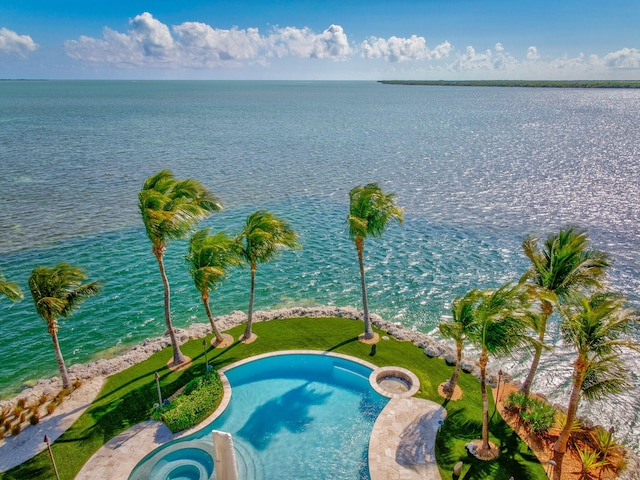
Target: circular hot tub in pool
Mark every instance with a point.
(394, 382)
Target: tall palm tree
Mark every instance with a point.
(209, 258)
(262, 237)
(462, 312)
(595, 326)
(170, 208)
(496, 329)
(11, 290)
(57, 292)
(370, 213)
(564, 265)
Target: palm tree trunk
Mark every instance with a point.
(484, 359)
(450, 386)
(368, 331)
(547, 309)
(178, 356)
(66, 381)
(214, 328)
(579, 370)
(248, 332)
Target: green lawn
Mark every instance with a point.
(127, 399)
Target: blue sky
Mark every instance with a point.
(320, 39)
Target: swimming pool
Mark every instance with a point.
(292, 416)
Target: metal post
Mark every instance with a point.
(159, 393)
(206, 361)
(53, 462)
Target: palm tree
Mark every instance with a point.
(564, 265)
(262, 237)
(462, 311)
(594, 326)
(209, 258)
(496, 329)
(370, 212)
(57, 292)
(11, 290)
(170, 208)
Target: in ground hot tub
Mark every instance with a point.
(394, 382)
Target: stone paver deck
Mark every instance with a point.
(402, 445)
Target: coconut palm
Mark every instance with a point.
(209, 258)
(496, 329)
(462, 312)
(261, 239)
(370, 213)
(564, 265)
(170, 208)
(595, 327)
(57, 292)
(11, 290)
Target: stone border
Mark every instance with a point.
(398, 372)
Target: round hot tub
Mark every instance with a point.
(394, 382)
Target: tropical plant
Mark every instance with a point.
(563, 265)
(170, 208)
(604, 440)
(11, 290)
(57, 291)
(370, 212)
(496, 330)
(209, 259)
(589, 462)
(595, 327)
(538, 415)
(262, 238)
(462, 316)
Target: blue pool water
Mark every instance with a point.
(292, 416)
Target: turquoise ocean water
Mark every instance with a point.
(475, 168)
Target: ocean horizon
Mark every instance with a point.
(476, 169)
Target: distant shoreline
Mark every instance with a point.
(519, 83)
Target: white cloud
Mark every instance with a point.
(487, 60)
(532, 54)
(11, 42)
(194, 45)
(623, 59)
(396, 49)
(499, 47)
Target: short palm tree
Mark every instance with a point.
(57, 292)
(370, 213)
(595, 326)
(11, 290)
(261, 239)
(564, 265)
(209, 259)
(496, 329)
(170, 208)
(462, 316)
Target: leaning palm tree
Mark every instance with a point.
(370, 212)
(595, 326)
(11, 290)
(462, 312)
(209, 258)
(564, 265)
(170, 208)
(57, 292)
(262, 237)
(496, 329)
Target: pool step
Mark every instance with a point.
(249, 464)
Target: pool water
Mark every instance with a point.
(292, 416)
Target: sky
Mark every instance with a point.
(320, 39)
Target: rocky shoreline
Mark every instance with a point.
(139, 353)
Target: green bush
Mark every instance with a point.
(200, 398)
(539, 415)
(517, 401)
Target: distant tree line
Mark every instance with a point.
(520, 83)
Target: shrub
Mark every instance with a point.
(23, 416)
(590, 462)
(34, 419)
(21, 402)
(17, 410)
(195, 404)
(604, 440)
(539, 415)
(15, 429)
(517, 401)
(43, 399)
(51, 407)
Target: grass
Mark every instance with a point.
(127, 398)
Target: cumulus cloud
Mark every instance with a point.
(12, 43)
(623, 59)
(488, 60)
(532, 54)
(396, 49)
(149, 42)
